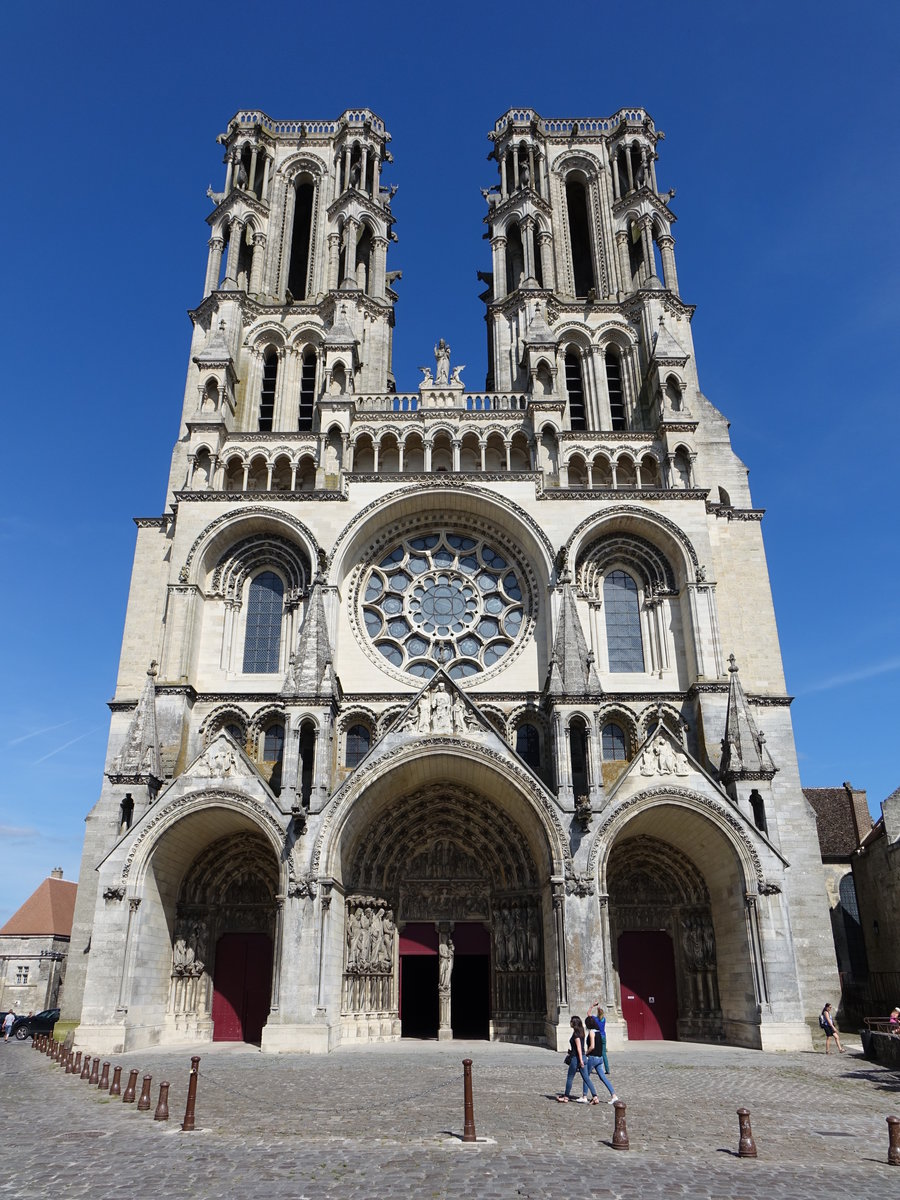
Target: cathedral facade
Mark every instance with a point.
(447, 712)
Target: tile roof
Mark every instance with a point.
(47, 912)
(841, 821)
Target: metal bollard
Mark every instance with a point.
(893, 1124)
(468, 1107)
(70, 1062)
(620, 1133)
(188, 1123)
(162, 1108)
(94, 1076)
(131, 1087)
(144, 1098)
(115, 1088)
(746, 1146)
(103, 1082)
(86, 1067)
(76, 1065)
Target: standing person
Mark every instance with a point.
(595, 1059)
(894, 1021)
(601, 1018)
(8, 1024)
(827, 1022)
(577, 1064)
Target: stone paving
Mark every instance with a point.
(385, 1121)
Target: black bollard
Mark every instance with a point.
(893, 1124)
(162, 1108)
(746, 1146)
(620, 1133)
(468, 1106)
(103, 1082)
(86, 1067)
(188, 1123)
(115, 1088)
(94, 1076)
(131, 1088)
(76, 1065)
(144, 1099)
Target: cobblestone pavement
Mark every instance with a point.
(381, 1121)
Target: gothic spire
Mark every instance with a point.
(311, 670)
(139, 754)
(744, 753)
(572, 666)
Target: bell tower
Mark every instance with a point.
(297, 309)
(583, 310)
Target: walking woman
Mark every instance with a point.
(577, 1064)
(596, 1055)
(827, 1022)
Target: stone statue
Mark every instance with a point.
(455, 374)
(445, 963)
(424, 721)
(648, 761)
(442, 358)
(666, 757)
(460, 716)
(441, 711)
(427, 380)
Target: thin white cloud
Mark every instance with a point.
(835, 681)
(37, 733)
(18, 833)
(65, 745)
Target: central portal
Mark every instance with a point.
(444, 927)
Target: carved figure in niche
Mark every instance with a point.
(708, 941)
(441, 711)
(386, 961)
(445, 962)
(424, 723)
(442, 358)
(460, 717)
(648, 761)
(665, 756)
(520, 939)
(682, 766)
(222, 761)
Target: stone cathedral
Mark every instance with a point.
(443, 713)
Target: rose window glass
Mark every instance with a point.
(445, 600)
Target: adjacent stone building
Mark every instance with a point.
(876, 874)
(443, 731)
(34, 946)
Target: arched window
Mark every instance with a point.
(624, 645)
(575, 388)
(262, 640)
(614, 744)
(307, 760)
(578, 756)
(298, 272)
(273, 743)
(515, 258)
(614, 388)
(580, 237)
(528, 746)
(635, 254)
(267, 394)
(359, 739)
(234, 731)
(307, 391)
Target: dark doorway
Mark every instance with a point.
(242, 987)
(419, 996)
(419, 1012)
(470, 983)
(647, 977)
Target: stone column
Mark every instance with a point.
(559, 923)
(265, 182)
(456, 448)
(229, 173)
(350, 228)
(379, 263)
(445, 971)
(252, 177)
(334, 253)
(624, 264)
(545, 249)
(527, 228)
(213, 265)
(504, 188)
(647, 244)
(498, 246)
(234, 247)
(256, 264)
(617, 190)
(666, 245)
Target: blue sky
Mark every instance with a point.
(781, 144)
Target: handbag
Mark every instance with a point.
(569, 1058)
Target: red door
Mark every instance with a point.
(647, 978)
(242, 987)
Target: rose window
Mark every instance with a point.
(443, 600)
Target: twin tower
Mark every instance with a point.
(580, 240)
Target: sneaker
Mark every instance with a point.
(582, 1100)
(612, 1099)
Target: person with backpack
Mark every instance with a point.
(829, 1028)
(8, 1024)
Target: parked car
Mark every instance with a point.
(42, 1022)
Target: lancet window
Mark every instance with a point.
(262, 639)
